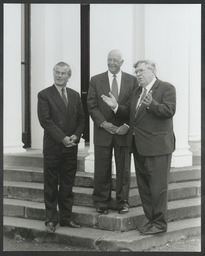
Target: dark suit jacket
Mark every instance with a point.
(56, 120)
(153, 126)
(100, 112)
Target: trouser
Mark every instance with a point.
(152, 173)
(103, 174)
(59, 168)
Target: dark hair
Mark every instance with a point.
(63, 64)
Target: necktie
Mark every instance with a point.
(115, 87)
(140, 101)
(64, 97)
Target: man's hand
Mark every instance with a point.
(74, 138)
(147, 99)
(68, 142)
(109, 127)
(123, 129)
(110, 101)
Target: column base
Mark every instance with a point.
(14, 149)
(89, 163)
(182, 158)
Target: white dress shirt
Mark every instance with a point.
(59, 88)
(118, 78)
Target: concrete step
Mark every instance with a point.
(83, 179)
(32, 191)
(86, 216)
(100, 240)
(34, 158)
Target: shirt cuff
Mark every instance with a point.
(103, 123)
(127, 125)
(115, 109)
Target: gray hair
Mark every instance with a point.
(150, 64)
(63, 64)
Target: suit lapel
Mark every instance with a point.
(134, 100)
(123, 87)
(71, 102)
(105, 85)
(57, 99)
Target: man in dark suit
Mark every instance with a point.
(152, 141)
(61, 115)
(110, 132)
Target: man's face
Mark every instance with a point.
(114, 62)
(144, 74)
(61, 75)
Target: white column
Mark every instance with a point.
(38, 64)
(55, 37)
(195, 75)
(89, 160)
(167, 40)
(105, 35)
(12, 79)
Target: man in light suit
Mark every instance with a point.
(61, 115)
(110, 132)
(152, 141)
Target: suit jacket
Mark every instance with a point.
(153, 125)
(100, 112)
(57, 120)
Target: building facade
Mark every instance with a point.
(169, 34)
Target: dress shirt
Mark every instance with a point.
(148, 88)
(59, 88)
(118, 78)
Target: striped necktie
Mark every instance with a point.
(139, 103)
(115, 87)
(64, 97)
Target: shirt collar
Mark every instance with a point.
(119, 74)
(149, 86)
(59, 88)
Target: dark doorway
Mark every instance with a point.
(25, 75)
(85, 63)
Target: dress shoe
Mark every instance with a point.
(70, 224)
(50, 227)
(102, 210)
(123, 210)
(145, 226)
(152, 231)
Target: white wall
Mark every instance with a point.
(168, 34)
(111, 28)
(12, 79)
(168, 41)
(55, 37)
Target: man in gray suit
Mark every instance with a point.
(152, 141)
(110, 132)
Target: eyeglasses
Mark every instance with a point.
(140, 71)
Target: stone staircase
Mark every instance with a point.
(24, 209)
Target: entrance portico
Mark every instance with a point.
(157, 32)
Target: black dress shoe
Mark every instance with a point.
(102, 210)
(50, 227)
(123, 210)
(70, 224)
(152, 231)
(144, 227)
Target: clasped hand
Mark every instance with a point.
(121, 130)
(69, 141)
